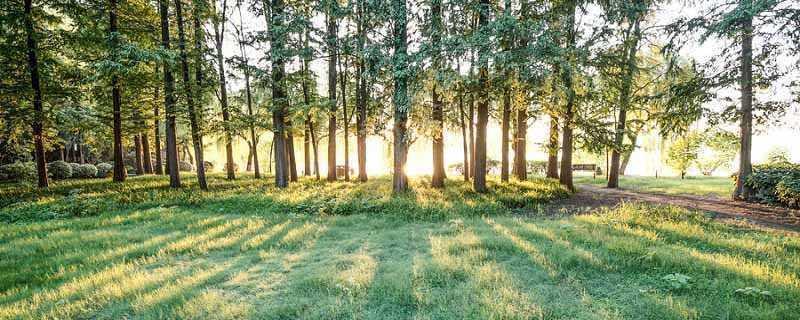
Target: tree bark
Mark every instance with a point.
(315, 146)
(197, 140)
(624, 103)
(471, 135)
(332, 35)
(479, 183)
(742, 191)
(345, 120)
(626, 157)
(521, 144)
(400, 99)
(552, 149)
(159, 166)
(437, 179)
(569, 113)
(361, 98)
(306, 151)
(138, 157)
(119, 167)
(464, 138)
(169, 102)
(249, 98)
(279, 93)
(505, 126)
(219, 34)
(38, 121)
(290, 152)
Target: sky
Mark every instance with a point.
(642, 162)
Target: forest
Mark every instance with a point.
(508, 159)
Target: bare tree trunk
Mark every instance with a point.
(472, 135)
(249, 157)
(401, 101)
(315, 146)
(137, 159)
(38, 122)
(332, 34)
(521, 143)
(148, 162)
(159, 168)
(625, 98)
(197, 139)
(290, 152)
(306, 151)
(464, 138)
(346, 120)
(361, 98)
(552, 149)
(505, 127)
(742, 191)
(169, 103)
(437, 179)
(116, 96)
(279, 98)
(219, 34)
(569, 112)
(479, 183)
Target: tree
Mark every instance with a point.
(219, 34)
(169, 101)
(332, 51)
(38, 123)
(720, 148)
(279, 98)
(566, 72)
(119, 167)
(683, 152)
(479, 183)
(401, 101)
(245, 66)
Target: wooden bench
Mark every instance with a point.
(586, 167)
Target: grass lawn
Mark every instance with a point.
(93, 249)
(701, 186)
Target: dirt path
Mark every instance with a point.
(590, 197)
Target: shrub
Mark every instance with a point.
(85, 171)
(765, 180)
(105, 170)
(18, 171)
(788, 192)
(185, 166)
(130, 169)
(59, 170)
(74, 166)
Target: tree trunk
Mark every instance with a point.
(624, 102)
(291, 154)
(116, 96)
(742, 191)
(159, 169)
(197, 140)
(38, 122)
(315, 146)
(505, 127)
(332, 34)
(569, 113)
(249, 157)
(465, 143)
(279, 93)
(479, 183)
(552, 149)
(437, 179)
(219, 34)
(472, 135)
(81, 159)
(148, 162)
(306, 151)
(400, 99)
(521, 144)
(249, 98)
(138, 157)
(169, 103)
(345, 120)
(626, 157)
(361, 98)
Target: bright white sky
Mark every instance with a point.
(642, 163)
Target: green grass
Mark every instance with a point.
(343, 251)
(701, 186)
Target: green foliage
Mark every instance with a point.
(677, 281)
(683, 152)
(85, 171)
(766, 178)
(721, 148)
(18, 171)
(778, 155)
(74, 166)
(105, 170)
(59, 170)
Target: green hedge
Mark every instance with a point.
(777, 183)
(59, 170)
(18, 171)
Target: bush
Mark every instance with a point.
(74, 166)
(765, 180)
(59, 170)
(105, 170)
(130, 169)
(18, 171)
(788, 192)
(85, 171)
(185, 166)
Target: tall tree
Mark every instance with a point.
(279, 98)
(566, 72)
(742, 191)
(197, 138)
(401, 101)
(361, 93)
(169, 101)
(248, 94)
(332, 52)
(479, 183)
(219, 35)
(159, 165)
(116, 95)
(38, 122)
(437, 27)
(552, 148)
